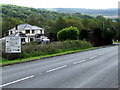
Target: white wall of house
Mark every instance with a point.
(27, 39)
(32, 32)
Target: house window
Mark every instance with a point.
(33, 31)
(10, 32)
(27, 31)
(40, 31)
(22, 39)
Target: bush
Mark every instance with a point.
(33, 50)
(54, 47)
(70, 33)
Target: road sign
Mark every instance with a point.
(13, 44)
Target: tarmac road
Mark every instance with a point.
(89, 69)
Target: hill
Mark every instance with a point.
(24, 12)
(104, 12)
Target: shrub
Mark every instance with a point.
(70, 33)
(32, 50)
(54, 47)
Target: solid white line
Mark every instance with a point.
(92, 57)
(7, 66)
(79, 62)
(17, 81)
(56, 68)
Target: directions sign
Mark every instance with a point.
(13, 45)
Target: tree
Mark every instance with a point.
(92, 24)
(75, 22)
(118, 32)
(96, 37)
(49, 27)
(102, 36)
(60, 24)
(100, 18)
(37, 20)
(9, 23)
(70, 33)
(84, 34)
(109, 34)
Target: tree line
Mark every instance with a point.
(97, 29)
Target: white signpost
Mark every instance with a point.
(13, 44)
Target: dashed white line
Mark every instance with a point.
(17, 81)
(40, 73)
(101, 53)
(92, 57)
(57, 68)
(79, 62)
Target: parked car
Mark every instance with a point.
(38, 40)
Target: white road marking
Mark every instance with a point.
(57, 68)
(101, 53)
(40, 73)
(7, 66)
(17, 81)
(92, 57)
(79, 62)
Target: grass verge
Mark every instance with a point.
(116, 42)
(10, 62)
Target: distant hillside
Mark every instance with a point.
(104, 12)
(24, 12)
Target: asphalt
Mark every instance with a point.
(89, 69)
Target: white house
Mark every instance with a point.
(27, 32)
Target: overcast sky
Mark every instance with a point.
(90, 4)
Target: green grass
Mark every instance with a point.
(116, 42)
(5, 61)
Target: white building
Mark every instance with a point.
(27, 32)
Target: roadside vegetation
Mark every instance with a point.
(35, 51)
(67, 32)
(116, 41)
(32, 50)
(70, 33)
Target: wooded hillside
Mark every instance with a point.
(53, 22)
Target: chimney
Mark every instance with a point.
(16, 27)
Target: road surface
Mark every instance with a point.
(89, 69)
